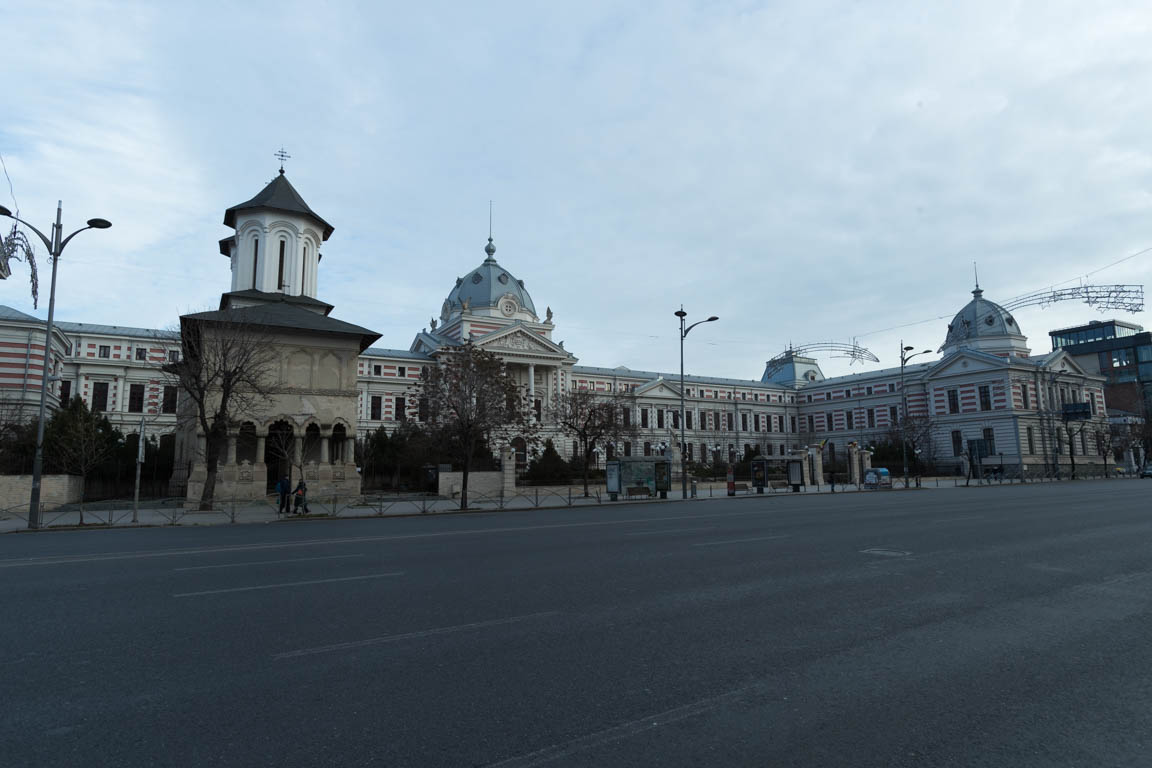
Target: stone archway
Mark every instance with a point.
(280, 452)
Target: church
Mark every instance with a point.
(335, 384)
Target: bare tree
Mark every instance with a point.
(592, 419)
(77, 441)
(471, 401)
(225, 371)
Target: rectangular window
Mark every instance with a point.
(660, 418)
(255, 262)
(647, 449)
(871, 417)
(744, 422)
(957, 443)
(793, 423)
(847, 393)
(728, 420)
(1024, 393)
(105, 351)
(65, 392)
(135, 398)
(422, 406)
(376, 407)
(688, 419)
(627, 448)
(375, 370)
(1031, 441)
(811, 423)
(401, 412)
(675, 419)
(402, 372)
(953, 401)
(141, 353)
(990, 439)
(868, 390)
(168, 404)
(644, 419)
(893, 415)
(173, 356)
(100, 396)
(689, 448)
(849, 420)
(985, 398)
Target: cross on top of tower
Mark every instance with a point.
(282, 156)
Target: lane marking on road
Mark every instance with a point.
(740, 541)
(264, 562)
(69, 559)
(622, 731)
(669, 530)
(958, 519)
(411, 635)
(885, 552)
(286, 584)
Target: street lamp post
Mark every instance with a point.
(55, 247)
(683, 445)
(904, 358)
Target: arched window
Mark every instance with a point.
(304, 272)
(336, 444)
(255, 259)
(280, 270)
(312, 444)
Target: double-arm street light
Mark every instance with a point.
(55, 246)
(904, 358)
(684, 445)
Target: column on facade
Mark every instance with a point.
(260, 449)
(201, 446)
(532, 388)
(297, 446)
(231, 457)
(324, 449)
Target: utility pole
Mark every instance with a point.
(139, 464)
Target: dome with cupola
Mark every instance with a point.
(489, 290)
(985, 326)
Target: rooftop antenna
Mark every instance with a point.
(282, 156)
(490, 249)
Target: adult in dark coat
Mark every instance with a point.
(284, 489)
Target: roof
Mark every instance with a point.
(278, 195)
(911, 370)
(486, 285)
(116, 330)
(274, 296)
(398, 353)
(283, 315)
(980, 319)
(8, 313)
(672, 378)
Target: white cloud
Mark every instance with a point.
(805, 170)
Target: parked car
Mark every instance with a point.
(1147, 471)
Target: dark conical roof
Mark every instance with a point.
(279, 195)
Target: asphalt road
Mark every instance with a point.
(1004, 626)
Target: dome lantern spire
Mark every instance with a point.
(490, 249)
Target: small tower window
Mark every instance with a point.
(255, 258)
(304, 272)
(280, 269)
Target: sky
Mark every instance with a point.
(808, 171)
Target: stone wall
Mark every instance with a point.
(489, 484)
(55, 490)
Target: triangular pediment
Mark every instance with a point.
(659, 388)
(518, 340)
(1062, 362)
(966, 361)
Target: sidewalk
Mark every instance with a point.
(171, 512)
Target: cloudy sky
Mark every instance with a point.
(806, 170)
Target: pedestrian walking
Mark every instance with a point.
(301, 497)
(284, 489)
